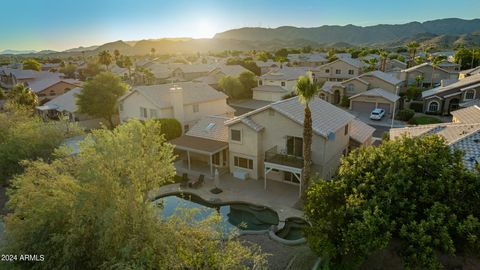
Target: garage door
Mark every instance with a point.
(362, 106)
(385, 107)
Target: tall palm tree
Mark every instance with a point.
(306, 91)
(412, 48)
(116, 54)
(105, 58)
(383, 59)
(127, 62)
(23, 96)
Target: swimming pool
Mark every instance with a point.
(233, 215)
(293, 229)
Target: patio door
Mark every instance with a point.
(295, 146)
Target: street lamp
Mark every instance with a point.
(394, 105)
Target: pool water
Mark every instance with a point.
(293, 229)
(235, 215)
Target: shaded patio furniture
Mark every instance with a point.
(198, 182)
(184, 182)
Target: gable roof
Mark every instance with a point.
(469, 115)
(210, 127)
(378, 92)
(285, 73)
(193, 92)
(382, 76)
(328, 85)
(326, 118)
(40, 85)
(230, 70)
(66, 102)
(415, 68)
(270, 88)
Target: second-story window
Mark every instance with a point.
(283, 83)
(143, 112)
(338, 71)
(350, 72)
(346, 130)
(327, 70)
(196, 108)
(236, 135)
(260, 82)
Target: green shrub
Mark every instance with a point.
(171, 128)
(405, 114)
(414, 92)
(424, 120)
(417, 107)
(345, 102)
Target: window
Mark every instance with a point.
(470, 94)
(346, 130)
(153, 113)
(338, 71)
(283, 83)
(350, 88)
(243, 162)
(236, 135)
(196, 108)
(260, 82)
(295, 146)
(143, 112)
(433, 106)
(350, 72)
(327, 70)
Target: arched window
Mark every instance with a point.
(433, 106)
(470, 94)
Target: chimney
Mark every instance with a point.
(176, 99)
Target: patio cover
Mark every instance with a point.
(199, 145)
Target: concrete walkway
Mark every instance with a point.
(280, 197)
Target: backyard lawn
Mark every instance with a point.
(424, 120)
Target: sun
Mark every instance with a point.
(204, 29)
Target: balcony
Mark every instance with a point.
(274, 155)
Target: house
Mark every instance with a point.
(187, 102)
(52, 87)
(276, 84)
(394, 65)
(459, 136)
(339, 70)
(267, 143)
(266, 66)
(219, 72)
(10, 77)
(427, 73)
(66, 105)
(449, 66)
(449, 97)
(307, 59)
(204, 147)
(366, 92)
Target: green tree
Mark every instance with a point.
(412, 49)
(116, 55)
(419, 80)
(91, 70)
(232, 87)
(463, 57)
(105, 58)
(127, 63)
(2, 94)
(248, 81)
(170, 127)
(99, 96)
(101, 216)
(307, 49)
(69, 70)
(32, 64)
(306, 92)
(372, 64)
(21, 95)
(281, 53)
(383, 60)
(26, 137)
(404, 191)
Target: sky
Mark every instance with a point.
(60, 25)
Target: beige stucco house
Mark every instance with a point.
(274, 85)
(267, 143)
(426, 71)
(339, 70)
(187, 102)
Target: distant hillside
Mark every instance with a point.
(82, 49)
(356, 35)
(17, 51)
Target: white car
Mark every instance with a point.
(377, 114)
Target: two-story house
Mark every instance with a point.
(267, 143)
(428, 74)
(187, 102)
(339, 70)
(274, 85)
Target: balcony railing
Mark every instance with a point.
(274, 155)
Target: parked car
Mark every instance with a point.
(377, 114)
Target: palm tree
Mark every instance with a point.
(127, 62)
(383, 59)
(116, 54)
(419, 79)
(23, 96)
(372, 64)
(306, 91)
(412, 48)
(105, 58)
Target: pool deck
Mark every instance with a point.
(280, 197)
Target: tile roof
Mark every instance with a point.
(427, 64)
(472, 71)
(470, 103)
(458, 84)
(210, 127)
(326, 118)
(270, 88)
(65, 102)
(469, 115)
(40, 85)
(285, 73)
(360, 131)
(470, 146)
(378, 92)
(193, 92)
(450, 131)
(252, 124)
(230, 70)
(328, 85)
(382, 76)
(200, 144)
